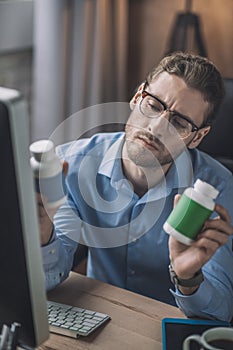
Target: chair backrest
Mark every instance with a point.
(219, 142)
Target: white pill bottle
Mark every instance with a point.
(192, 210)
(48, 173)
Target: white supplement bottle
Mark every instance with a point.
(48, 174)
(193, 208)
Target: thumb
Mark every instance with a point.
(176, 199)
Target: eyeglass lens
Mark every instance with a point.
(151, 107)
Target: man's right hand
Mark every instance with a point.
(46, 214)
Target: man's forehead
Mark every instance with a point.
(174, 91)
(165, 79)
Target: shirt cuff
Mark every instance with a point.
(200, 302)
(50, 252)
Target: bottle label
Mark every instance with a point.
(53, 188)
(188, 217)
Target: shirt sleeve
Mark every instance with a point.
(58, 255)
(214, 297)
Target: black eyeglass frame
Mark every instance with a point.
(167, 109)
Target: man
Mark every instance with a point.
(121, 189)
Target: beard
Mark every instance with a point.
(146, 150)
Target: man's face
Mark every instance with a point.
(149, 140)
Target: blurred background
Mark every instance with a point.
(65, 55)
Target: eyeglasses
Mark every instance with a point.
(152, 107)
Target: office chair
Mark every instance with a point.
(219, 142)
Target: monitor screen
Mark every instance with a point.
(22, 285)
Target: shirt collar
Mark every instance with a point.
(112, 158)
(181, 172)
(179, 176)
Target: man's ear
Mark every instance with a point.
(134, 99)
(199, 136)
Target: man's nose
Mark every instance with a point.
(159, 125)
(165, 114)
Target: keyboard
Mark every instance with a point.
(73, 321)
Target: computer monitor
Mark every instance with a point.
(22, 285)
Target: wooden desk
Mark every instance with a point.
(135, 320)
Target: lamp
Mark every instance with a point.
(186, 33)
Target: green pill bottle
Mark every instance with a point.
(193, 208)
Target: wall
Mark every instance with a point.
(150, 22)
(16, 72)
(16, 54)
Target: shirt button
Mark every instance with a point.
(52, 251)
(132, 272)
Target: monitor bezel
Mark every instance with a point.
(19, 131)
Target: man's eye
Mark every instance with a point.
(179, 122)
(154, 106)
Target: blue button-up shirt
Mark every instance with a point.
(127, 244)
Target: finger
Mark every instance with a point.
(210, 246)
(219, 225)
(223, 213)
(219, 237)
(42, 211)
(176, 199)
(41, 205)
(40, 198)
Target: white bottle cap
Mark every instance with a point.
(43, 148)
(206, 189)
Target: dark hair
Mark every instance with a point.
(198, 73)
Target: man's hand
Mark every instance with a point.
(187, 260)
(45, 219)
(46, 214)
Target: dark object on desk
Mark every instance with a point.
(175, 330)
(219, 142)
(222, 344)
(9, 337)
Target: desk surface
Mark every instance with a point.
(135, 320)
